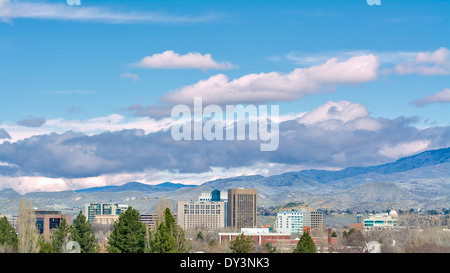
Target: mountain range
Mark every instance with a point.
(418, 181)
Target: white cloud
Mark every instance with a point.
(114, 122)
(439, 97)
(427, 63)
(341, 115)
(341, 110)
(171, 59)
(405, 148)
(440, 56)
(132, 76)
(307, 59)
(402, 62)
(274, 86)
(61, 11)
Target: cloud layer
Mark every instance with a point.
(335, 135)
(61, 11)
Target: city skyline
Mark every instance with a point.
(86, 91)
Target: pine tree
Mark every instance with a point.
(182, 245)
(162, 241)
(305, 245)
(28, 239)
(44, 246)
(82, 232)
(128, 235)
(242, 244)
(59, 236)
(7, 233)
(168, 237)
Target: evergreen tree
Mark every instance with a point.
(182, 245)
(128, 235)
(82, 232)
(162, 241)
(305, 245)
(59, 236)
(44, 246)
(7, 233)
(168, 236)
(242, 244)
(200, 236)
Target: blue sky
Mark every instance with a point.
(76, 68)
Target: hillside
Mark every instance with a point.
(419, 181)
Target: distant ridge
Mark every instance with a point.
(417, 181)
(424, 159)
(96, 189)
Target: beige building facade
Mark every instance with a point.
(208, 214)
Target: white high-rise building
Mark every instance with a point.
(289, 222)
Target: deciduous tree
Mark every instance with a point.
(28, 239)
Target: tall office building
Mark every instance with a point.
(91, 210)
(215, 195)
(242, 208)
(312, 218)
(208, 214)
(289, 222)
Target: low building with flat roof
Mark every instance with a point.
(381, 221)
(47, 220)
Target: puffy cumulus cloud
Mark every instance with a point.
(439, 97)
(171, 59)
(341, 115)
(334, 140)
(427, 63)
(274, 86)
(32, 121)
(341, 110)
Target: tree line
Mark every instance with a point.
(129, 235)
